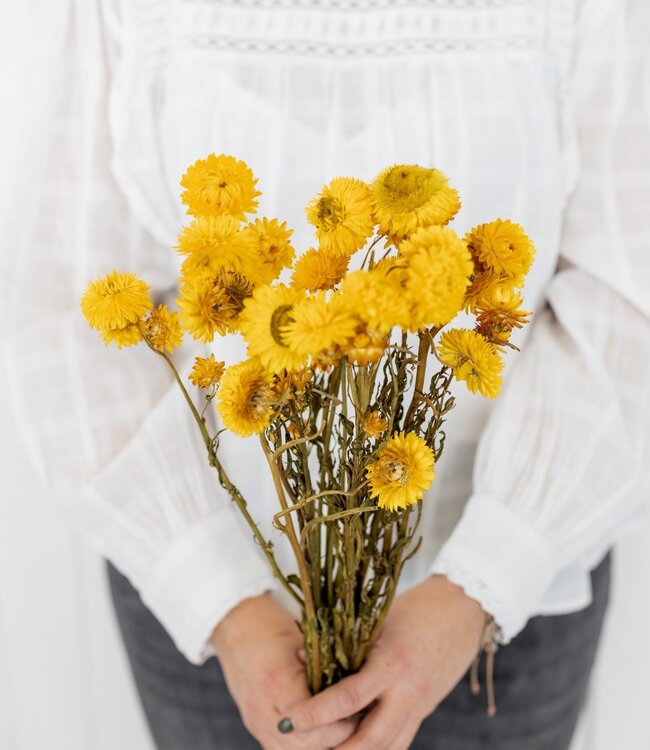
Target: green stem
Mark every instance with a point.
(224, 480)
(311, 622)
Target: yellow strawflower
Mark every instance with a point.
(473, 360)
(264, 324)
(289, 385)
(365, 346)
(316, 270)
(378, 297)
(438, 271)
(407, 196)
(162, 329)
(211, 305)
(499, 314)
(215, 243)
(245, 398)
(502, 255)
(402, 471)
(318, 323)
(272, 249)
(115, 301)
(374, 425)
(219, 185)
(342, 215)
(206, 371)
(121, 337)
(503, 247)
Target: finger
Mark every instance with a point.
(331, 735)
(344, 699)
(379, 729)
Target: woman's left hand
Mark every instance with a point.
(429, 639)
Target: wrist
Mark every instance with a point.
(235, 625)
(469, 610)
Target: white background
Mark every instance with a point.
(64, 681)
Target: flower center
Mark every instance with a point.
(330, 212)
(396, 472)
(279, 320)
(260, 399)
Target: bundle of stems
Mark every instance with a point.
(349, 552)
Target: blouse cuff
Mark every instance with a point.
(196, 583)
(499, 560)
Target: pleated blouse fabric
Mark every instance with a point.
(538, 110)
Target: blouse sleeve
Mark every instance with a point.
(563, 462)
(107, 429)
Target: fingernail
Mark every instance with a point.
(285, 726)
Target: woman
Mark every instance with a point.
(538, 111)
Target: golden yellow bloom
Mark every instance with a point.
(264, 324)
(407, 196)
(327, 359)
(245, 398)
(374, 425)
(219, 185)
(211, 305)
(473, 360)
(378, 297)
(273, 250)
(288, 385)
(162, 329)
(206, 371)
(503, 247)
(115, 301)
(215, 243)
(121, 337)
(365, 346)
(402, 471)
(316, 270)
(319, 322)
(499, 314)
(439, 267)
(342, 215)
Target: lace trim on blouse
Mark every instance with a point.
(358, 28)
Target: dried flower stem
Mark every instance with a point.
(224, 480)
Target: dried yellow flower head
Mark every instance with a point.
(499, 314)
(246, 398)
(162, 329)
(320, 322)
(115, 301)
(407, 196)
(342, 215)
(374, 425)
(219, 185)
(273, 250)
(472, 359)
(436, 277)
(206, 371)
(264, 323)
(210, 305)
(318, 270)
(402, 471)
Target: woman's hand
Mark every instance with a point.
(258, 645)
(429, 639)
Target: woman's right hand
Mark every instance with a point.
(258, 645)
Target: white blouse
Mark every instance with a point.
(538, 110)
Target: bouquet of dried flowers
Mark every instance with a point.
(349, 368)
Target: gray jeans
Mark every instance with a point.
(541, 681)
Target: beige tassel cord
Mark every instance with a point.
(488, 646)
